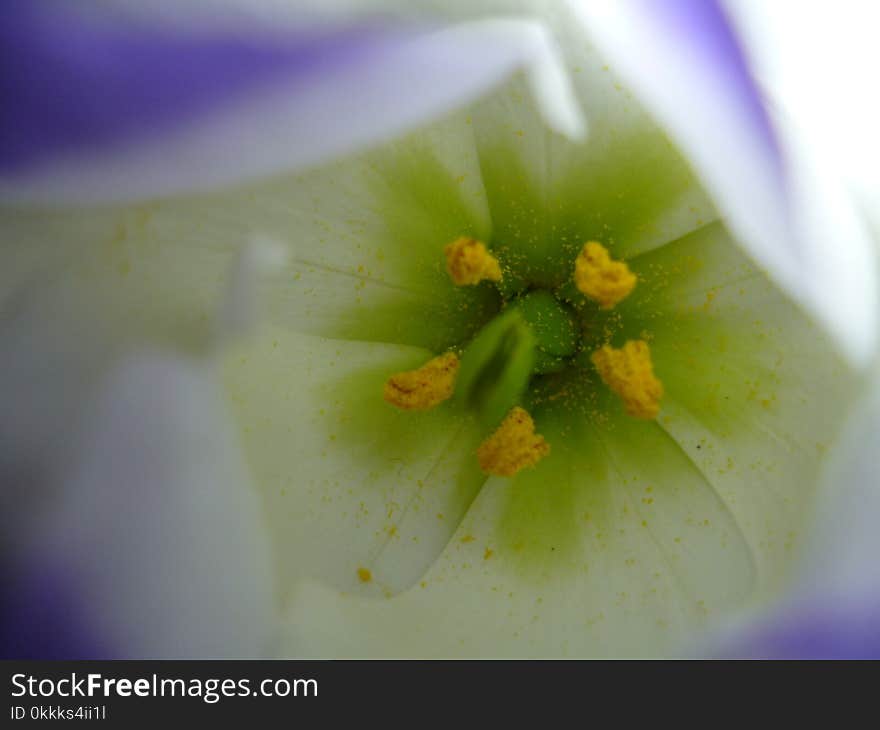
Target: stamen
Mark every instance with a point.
(422, 389)
(629, 372)
(601, 278)
(469, 262)
(513, 447)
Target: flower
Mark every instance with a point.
(376, 531)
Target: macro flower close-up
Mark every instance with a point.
(514, 330)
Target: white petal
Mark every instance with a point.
(372, 98)
(829, 607)
(755, 393)
(824, 92)
(839, 556)
(683, 62)
(606, 549)
(840, 259)
(348, 482)
(80, 288)
(155, 518)
(49, 362)
(148, 438)
(363, 241)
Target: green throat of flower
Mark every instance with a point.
(540, 337)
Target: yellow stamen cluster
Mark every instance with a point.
(469, 262)
(629, 372)
(422, 389)
(602, 279)
(513, 447)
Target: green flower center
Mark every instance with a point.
(554, 326)
(538, 333)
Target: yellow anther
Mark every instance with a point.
(419, 390)
(630, 374)
(469, 262)
(513, 447)
(601, 278)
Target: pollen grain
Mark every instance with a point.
(469, 262)
(601, 278)
(629, 372)
(424, 388)
(513, 447)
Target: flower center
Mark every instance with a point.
(554, 326)
(538, 332)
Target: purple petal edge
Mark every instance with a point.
(705, 26)
(71, 83)
(41, 618)
(813, 631)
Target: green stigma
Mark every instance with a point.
(534, 335)
(554, 327)
(496, 366)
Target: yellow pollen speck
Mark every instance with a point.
(419, 390)
(468, 262)
(364, 575)
(630, 373)
(602, 279)
(513, 447)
